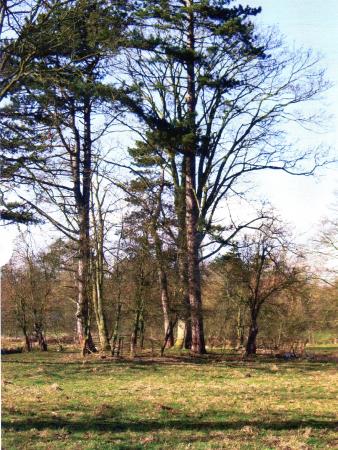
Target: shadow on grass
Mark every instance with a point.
(258, 363)
(117, 424)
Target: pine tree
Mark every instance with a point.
(48, 131)
(212, 95)
(186, 40)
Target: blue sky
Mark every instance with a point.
(309, 24)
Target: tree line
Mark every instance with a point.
(132, 127)
(253, 297)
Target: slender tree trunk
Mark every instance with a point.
(28, 345)
(23, 323)
(134, 335)
(97, 268)
(142, 330)
(103, 332)
(194, 276)
(82, 314)
(163, 282)
(183, 331)
(183, 339)
(161, 270)
(192, 208)
(82, 179)
(168, 328)
(99, 313)
(180, 334)
(119, 278)
(183, 335)
(116, 328)
(42, 342)
(240, 328)
(138, 326)
(82, 305)
(38, 330)
(251, 342)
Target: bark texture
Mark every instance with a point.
(192, 207)
(82, 173)
(251, 346)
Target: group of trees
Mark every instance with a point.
(255, 287)
(203, 99)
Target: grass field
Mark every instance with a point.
(57, 401)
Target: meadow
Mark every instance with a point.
(57, 400)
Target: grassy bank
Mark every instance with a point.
(57, 401)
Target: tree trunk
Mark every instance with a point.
(251, 342)
(116, 329)
(183, 336)
(240, 329)
(163, 282)
(100, 317)
(97, 272)
(180, 336)
(82, 313)
(134, 335)
(191, 203)
(119, 278)
(194, 276)
(38, 330)
(162, 274)
(168, 328)
(82, 179)
(186, 314)
(97, 267)
(42, 343)
(28, 345)
(138, 326)
(183, 330)
(142, 331)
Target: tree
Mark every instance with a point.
(328, 236)
(214, 96)
(118, 276)
(225, 300)
(153, 216)
(15, 295)
(266, 273)
(30, 279)
(18, 50)
(16, 21)
(140, 266)
(51, 117)
(259, 286)
(102, 207)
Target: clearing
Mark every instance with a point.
(58, 401)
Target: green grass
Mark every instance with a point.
(57, 401)
(324, 337)
(322, 349)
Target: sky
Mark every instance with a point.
(304, 201)
(301, 201)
